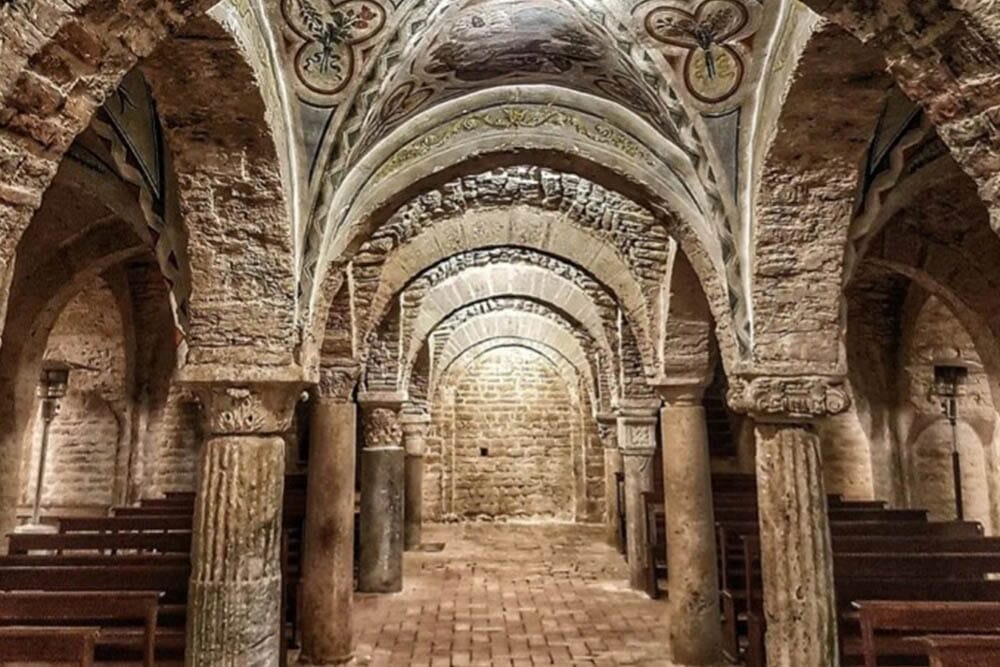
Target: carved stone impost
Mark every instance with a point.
(637, 420)
(771, 398)
(679, 393)
(607, 429)
(380, 419)
(264, 408)
(337, 381)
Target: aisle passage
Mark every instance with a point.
(512, 596)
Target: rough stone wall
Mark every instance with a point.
(512, 404)
(92, 423)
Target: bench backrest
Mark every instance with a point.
(172, 579)
(173, 542)
(21, 644)
(124, 524)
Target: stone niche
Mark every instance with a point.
(511, 439)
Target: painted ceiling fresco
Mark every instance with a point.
(479, 44)
(708, 43)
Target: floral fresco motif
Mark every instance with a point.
(332, 35)
(708, 38)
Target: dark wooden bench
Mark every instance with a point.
(125, 524)
(891, 629)
(127, 619)
(866, 567)
(963, 650)
(113, 543)
(48, 644)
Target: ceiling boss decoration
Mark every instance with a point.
(708, 42)
(331, 38)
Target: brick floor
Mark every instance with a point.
(512, 596)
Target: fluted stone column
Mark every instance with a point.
(607, 427)
(328, 553)
(695, 631)
(414, 423)
(380, 567)
(796, 552)
(637, 442)
(235, 588)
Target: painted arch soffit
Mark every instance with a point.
(486, 124)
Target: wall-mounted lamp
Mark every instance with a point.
(52, 385)
(950, 379)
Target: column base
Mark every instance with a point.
(234, 623)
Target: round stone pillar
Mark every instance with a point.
(796, 551)
(608, 431)
(234, 594)
(380, 566)
(637, 442)
(695, 632)
(327, 597)
(414, 423)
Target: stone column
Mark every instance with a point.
(414, 423)
(328, 551)
(637, 442)
(608, 430)
(234, 594)
(695, 632)
(380, 567)
(796, 552)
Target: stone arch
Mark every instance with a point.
(566, 368)
(528, 230)
(85, 463)
(60, 63)
(518, 125)
(74, 63)
(522, 327)
(806, 190)
(945, 56)
(31, 317)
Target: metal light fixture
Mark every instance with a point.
(52, 386)
(950, 378)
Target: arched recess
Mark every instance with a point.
(599, 367)
(522, 327)
(39, 295)
(945, 56)
(220, 154)
(518, 125)
(456, 362)
(60, 62)
(805, 197)
(88, 450)
(489, 282)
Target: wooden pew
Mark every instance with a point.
(58, 543)
(901, 537)
(868, 566)
(125, 618)
(963, 650)
(50, 644)
(124, 524)
(889, 628)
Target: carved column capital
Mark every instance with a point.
(637, 420)
(687, 392)
(381, 419)
(772, 398)
(263, 408)
(337, 382)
